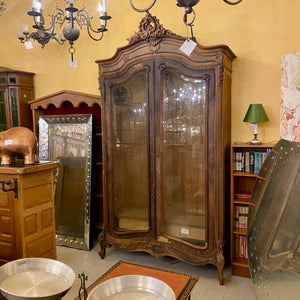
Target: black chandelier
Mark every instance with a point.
(187, 4)
(2, 7)
(72, 18)
(188, 8)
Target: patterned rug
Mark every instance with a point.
(182, 284)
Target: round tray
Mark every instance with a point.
(35, 278)
(133, 287)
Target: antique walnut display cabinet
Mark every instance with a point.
(16, 89)
(166, 147)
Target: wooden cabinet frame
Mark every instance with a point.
(67, 102)
(17, 89)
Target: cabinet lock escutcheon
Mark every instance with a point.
(14, 189)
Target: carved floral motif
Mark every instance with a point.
(151, 31)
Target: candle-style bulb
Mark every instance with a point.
(100, 9)
(104, 6)
(25, 29)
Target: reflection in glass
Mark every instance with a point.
(130, 152)
(184, 128)
(68, 139)
(3, 125)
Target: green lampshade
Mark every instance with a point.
(256, 114)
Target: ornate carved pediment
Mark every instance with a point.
(152, 31)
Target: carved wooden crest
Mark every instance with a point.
(152, 31)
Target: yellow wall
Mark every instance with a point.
(258, 32)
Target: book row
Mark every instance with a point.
(249, 161)
(241, 216)
(241, 249)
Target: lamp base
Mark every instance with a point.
(255, 142)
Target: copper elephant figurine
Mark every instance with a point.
(18, 142)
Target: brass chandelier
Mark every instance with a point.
(70, 19)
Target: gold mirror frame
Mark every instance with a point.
(68, 139)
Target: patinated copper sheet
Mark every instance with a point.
(274, 225)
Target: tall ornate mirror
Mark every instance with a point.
(68, 139)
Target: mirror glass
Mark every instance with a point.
(68, 140)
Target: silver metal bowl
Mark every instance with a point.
(132, 287)
(35, 278)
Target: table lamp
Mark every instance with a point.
(255, 114)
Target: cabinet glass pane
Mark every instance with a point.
(130, 154)
(14, 106)
(184, 156)
(3, 125)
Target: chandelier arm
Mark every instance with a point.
(57, 17)
(232, 2)
(57, 40)
(142, 10)
(84, 14)
(92, 37)
(2, 7)
(43, 40)
(83, 18)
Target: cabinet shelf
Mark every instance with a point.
(239, 261)
(240, 231)
(246, 174)
(241, 201)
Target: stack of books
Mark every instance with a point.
(241, 216)
(241, 246)
(249, 161)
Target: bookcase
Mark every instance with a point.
(246, 161)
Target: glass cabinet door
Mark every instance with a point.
(13, 100)
(3, 112)
(130, 155)
(184, 157)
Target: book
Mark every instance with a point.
(243, 162)
(247, 162)
(238, 161)
(241, 216)
(251, 161)
(241, 246)
(256, 162)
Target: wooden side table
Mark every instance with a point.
(27, 222)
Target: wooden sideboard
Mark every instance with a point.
(27, 227)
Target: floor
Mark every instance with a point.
(207, 288)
